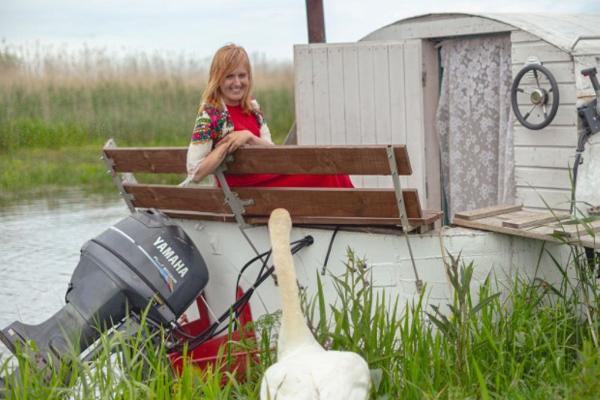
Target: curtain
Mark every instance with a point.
(474, 123)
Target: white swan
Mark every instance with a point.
(304, 370)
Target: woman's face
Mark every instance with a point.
(235, 85)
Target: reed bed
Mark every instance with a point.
(535, 341)
(54, 101)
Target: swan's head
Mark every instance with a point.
(280, 223)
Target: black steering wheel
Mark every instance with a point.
(535, 92)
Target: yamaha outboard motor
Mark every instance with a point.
(144, 262)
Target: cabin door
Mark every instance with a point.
(474, 122)
(372, 93)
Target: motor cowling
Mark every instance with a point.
(145, 262)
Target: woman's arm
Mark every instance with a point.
(209, 164)
(236, 139)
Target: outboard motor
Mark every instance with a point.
(144, 262)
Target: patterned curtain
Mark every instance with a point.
(474, 123)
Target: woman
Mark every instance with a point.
(229, 118)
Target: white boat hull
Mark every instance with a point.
(226, 251)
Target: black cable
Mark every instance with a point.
(235, 309)
(337, 228)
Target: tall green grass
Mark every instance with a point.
(535, 341)
(52, 105)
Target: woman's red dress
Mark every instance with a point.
(242, 121)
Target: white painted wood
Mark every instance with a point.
(367, 101)
(560, 30)
(397, 88)
(433, 185)
(552, 157)
(550, 136)
(381, 84)
(351, 101)
(337, 124)
(304, 98)
(414, 113)
(549, 178)
(366, 91)
(542, 157)
(543, 51)
(321, 96)
(442, 26)
(566, 93)
(566, 115)
(540, 198)
(519, 36)
(561, 70)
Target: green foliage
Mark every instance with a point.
(155, 113)
(51, 135)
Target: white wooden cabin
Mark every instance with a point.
(386, 88)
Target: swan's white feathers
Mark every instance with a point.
(304, 370)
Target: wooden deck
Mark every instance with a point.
(543, 225)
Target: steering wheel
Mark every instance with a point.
(535, 91)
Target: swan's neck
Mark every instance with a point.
(294, 332)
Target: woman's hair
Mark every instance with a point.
(225, 60)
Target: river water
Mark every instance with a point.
(39, 243)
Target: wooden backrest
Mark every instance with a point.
(356, 206)
(351, 160)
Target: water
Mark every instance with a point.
(39, 243)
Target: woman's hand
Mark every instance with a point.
(236, 139)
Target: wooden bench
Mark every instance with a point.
(329, 206)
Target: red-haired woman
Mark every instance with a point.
(229, 118)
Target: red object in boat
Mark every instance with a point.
(212, 353)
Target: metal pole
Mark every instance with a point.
(315, 20)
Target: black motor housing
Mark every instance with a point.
(144, 262)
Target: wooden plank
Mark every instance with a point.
(543, 51)
(301, 202)
(367, 101)
(440, 26)
(574, 231)
(148, 159)
(321, 96)
(303, 95)
(566, 92)
(397, 104)
(352, 101)
(413, 79)
(285, 159)
(550, 178)
(336, 92)
(560, 136)
(566, 115)
(431, 91)
(381, 84)
(592, 242)
(485, 225)
(557, 199)
(535, 220)
(429, 217)
(523, 36)
(562, 70)
(351, 95)
(487, 212)
(549, 157)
